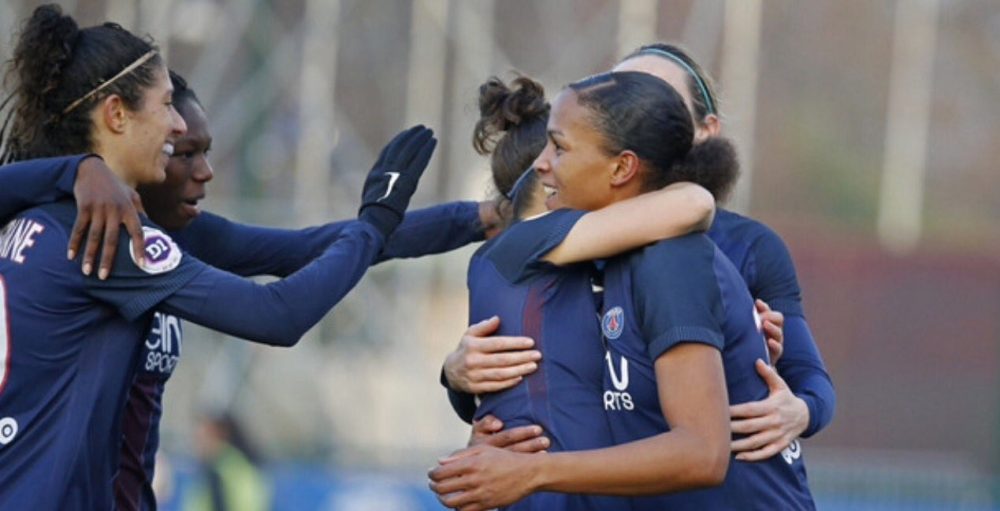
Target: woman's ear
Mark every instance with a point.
(710, 126)
(112, 113)
(626, 168)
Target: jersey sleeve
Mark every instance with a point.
(803, 370)
(773, 277)
(280, 312)
(517, 253)
(463, 403)
(676, 294)
(31, 183)
(775, 281)
(252, 250)
(134, 290)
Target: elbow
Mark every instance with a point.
(712, 466)
(703, 206)
(716, 467)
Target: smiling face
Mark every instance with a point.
(173, 204)
(148, 134)
(574, 167)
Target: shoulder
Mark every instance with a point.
(761, 239)
(675, 254)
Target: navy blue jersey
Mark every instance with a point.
(252, 250)
(677, 291)
(766, 266)
(69, 352)
(241, 249)
(554, 306)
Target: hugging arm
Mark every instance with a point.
(802, 398)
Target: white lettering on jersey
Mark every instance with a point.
(618, 399)
(161, 253)
(792, 452)
(8, 430)
(18, 236)
(163, 344)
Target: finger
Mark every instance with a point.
(444, 487)
(512, 436)
(775, 317)
(459, 455)
(444, 472)
(770, 376)
(756, 441)
(503, 373)
(97, 222)
(136, 201)
(80, 226)
(134, 228)
(484, 327)
(775, 350)
(504, 359)
(763, 453)
(762, 306)
(109, 248)
(755, 425)
(487, 425)
(407, 148)
(422, 158)
(493, 386)
(464, 500)
(534, 445)
(773, 331)
(750, 409)
(499, 344)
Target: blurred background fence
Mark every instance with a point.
(868, 132)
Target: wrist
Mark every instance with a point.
(542, 471)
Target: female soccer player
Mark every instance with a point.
(670, 309)
(527, 277)
(241, 249)
(800, 408)
(805, 405)
(71, 343)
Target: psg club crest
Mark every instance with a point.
(161, 254)
(613, 323)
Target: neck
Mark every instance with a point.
(115, 163)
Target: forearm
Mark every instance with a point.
(674, 211)
(34, 182)
(803, 370)
(435, 230)
(279, 313)
(672, 461)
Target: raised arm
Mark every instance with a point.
(675, 210)
(279, 312)
(253, 250)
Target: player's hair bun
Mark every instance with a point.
(503, 107)
(712, 164)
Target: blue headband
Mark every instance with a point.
(514, 190)
(701, 84)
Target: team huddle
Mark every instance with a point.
(633, 345)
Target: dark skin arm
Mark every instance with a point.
(103, 203)
(693, 454)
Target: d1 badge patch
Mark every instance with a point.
(161, 253)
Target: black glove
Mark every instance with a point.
(393, 179)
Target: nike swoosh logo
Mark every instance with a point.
(393, 176)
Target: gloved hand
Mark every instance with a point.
(393, 179)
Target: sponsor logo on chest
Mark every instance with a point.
(163, 344)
